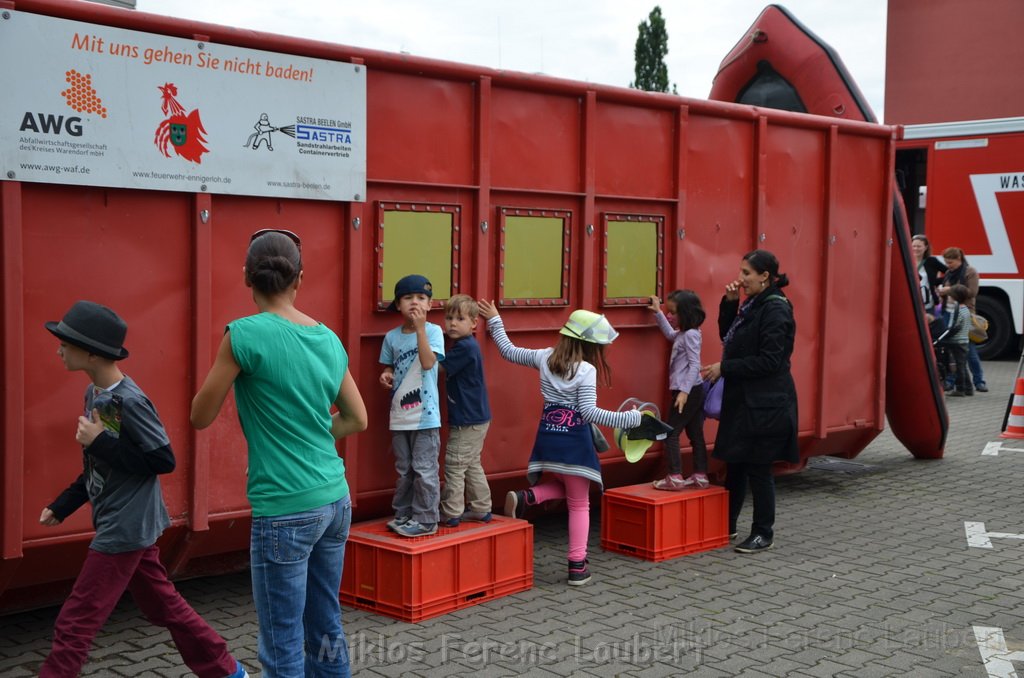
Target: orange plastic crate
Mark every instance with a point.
(423, 577)
(641, 521)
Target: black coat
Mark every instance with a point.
(759, 408)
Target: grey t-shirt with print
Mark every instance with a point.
(128, 510)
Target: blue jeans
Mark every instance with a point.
(296, 563)
(974, 363)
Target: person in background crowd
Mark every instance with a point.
(963, 274)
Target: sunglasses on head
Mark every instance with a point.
(263, 231)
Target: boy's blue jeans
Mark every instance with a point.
(296, 563)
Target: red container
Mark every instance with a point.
(493, 151)
(641, 521)
(423, 577)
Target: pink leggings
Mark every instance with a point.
(576, 492)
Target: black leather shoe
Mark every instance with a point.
(753, 544)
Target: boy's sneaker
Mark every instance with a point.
(579, 573)
(697, 479)
(477, 517)
(981, 388)
(416, 529)
(516, 501)
(956, 394)
(240, 671)
(393, 525)
(450, 522)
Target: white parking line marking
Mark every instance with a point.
(978, 538)
(996, 657)
(992, 449)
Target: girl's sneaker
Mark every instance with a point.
(673, 482)
(697, 479)
(579, 573)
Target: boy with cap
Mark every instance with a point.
(124, 448)
(410, 354)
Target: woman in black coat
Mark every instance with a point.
(758, 425)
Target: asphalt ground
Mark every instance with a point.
(872, 574)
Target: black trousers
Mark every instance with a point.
(762, 490)
(691, 420)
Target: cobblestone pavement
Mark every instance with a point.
(872, 575)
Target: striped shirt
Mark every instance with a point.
(578, 393)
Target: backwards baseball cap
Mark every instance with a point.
(589, 326)
(411, 284)
(92, 327)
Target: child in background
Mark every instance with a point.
(682, 328)
(957, 342)
(124, 448)
(564, 446)
(410, 355)
(469, 415)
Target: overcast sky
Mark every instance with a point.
(589, 40)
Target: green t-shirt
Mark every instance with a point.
(291, 375)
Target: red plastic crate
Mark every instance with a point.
(423, 577)
(641, 521)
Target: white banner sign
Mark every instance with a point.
(100, 106)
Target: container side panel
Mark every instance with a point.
(536, 141)
(130, 251)
(855, 320)
(429, 119)
(719, 213)
(634, 151)
(320, 225)
(794, 229)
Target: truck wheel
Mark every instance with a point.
(1000, 328)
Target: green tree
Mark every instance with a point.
(651, 48)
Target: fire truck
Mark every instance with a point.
(963, 186)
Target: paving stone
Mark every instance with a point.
(871, 576)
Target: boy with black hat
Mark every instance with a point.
(409, 354)
(124, 448)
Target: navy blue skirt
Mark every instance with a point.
(564, 444)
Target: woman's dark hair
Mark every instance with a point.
(764, 261)
(927, 245)
(272, 263)
(689, 311)
(955, 253)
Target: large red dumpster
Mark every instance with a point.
(544, 194)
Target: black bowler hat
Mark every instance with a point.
(92, 327)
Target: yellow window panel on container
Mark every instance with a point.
(632, 258)
(533, 257)
(415, 241)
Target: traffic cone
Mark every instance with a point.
(1015, 421)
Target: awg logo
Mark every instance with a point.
(80, 96)
(184, 133)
